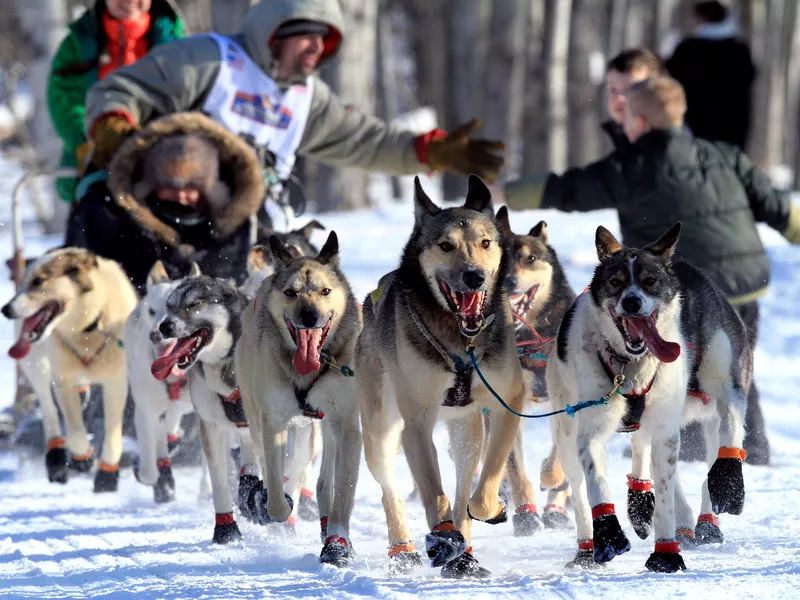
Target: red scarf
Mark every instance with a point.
(125, 42)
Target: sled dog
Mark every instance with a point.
(303, 433)
(155, 400)
(203, 318)
(446, 298)
(651, 337)
(74, 304)
(540, 297)
(298, 339)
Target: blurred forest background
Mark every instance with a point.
(532, 70)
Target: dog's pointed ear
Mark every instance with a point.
(194, 270)
(258, 259)
(423, 206)
(158, 274)
(478, 196)
(279, 251)
(503, 223)
(330, 251)
(665, 247)
(607, 245)
(539, 231)
(308, 229)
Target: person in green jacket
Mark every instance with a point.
(667, 175)
(111, 34)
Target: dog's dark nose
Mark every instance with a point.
(511, 284)
(167, 328)
(308, 317)
(631, 304)
(155, 336)
(7, 311)
(473, 279)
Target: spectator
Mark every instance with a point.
(111, 34)
(716, 70)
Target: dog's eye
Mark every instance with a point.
(446, 246)
(615, 282)
(325, 291)
(152, 312)
(486, 244)
(532, 259)
(290, 293)
(71, 271)
(649, 281)
(36, 282)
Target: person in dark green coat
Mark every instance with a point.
(666, 175)
(111, 34)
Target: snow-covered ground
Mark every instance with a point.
(65, 542)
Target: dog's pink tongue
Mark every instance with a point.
(23, 345)
(306, 356)
(471, 303)
(162, 367)
(166, 351)
(663, 350)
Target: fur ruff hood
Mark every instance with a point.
(238, 165)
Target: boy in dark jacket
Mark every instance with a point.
(666, 175)
(625, 69)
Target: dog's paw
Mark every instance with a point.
(82, 464)
(556, 517)
(337, 551)
(500, 517)
(726, 485)
(403, 559)
(641, 506)
(686, 538)
(666, 558)
(463, 567)
(246, 485)
(56, 463)
(527, 521)
(609, 539)
(307, 509)
(584, 559)
(257, 503)
(707, 530)
(444, 544)
(164, 489)
(226, 530)
(106, 479)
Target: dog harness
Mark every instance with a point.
(635, 400)
(234, 409)
(302, 396)
(86, 360)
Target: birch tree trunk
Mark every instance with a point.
(558, 111)
(584, 126)
(44, 23)
(352, 76)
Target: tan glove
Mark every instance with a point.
(792, 233)
(81, 157)
(461, 154)
(109, 133)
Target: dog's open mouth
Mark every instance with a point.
(309, 343)
(468, 307)
(641, 334)
(521, 303)
(181, 355)
(33, 329)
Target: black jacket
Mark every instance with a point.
(717, 75)
(667, 176)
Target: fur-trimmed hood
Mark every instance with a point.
(239, 168)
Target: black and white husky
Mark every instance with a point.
(684, 355)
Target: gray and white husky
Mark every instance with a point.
(203, 316)
(683, 352)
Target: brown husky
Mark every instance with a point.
(77, 304)
(446, 298)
